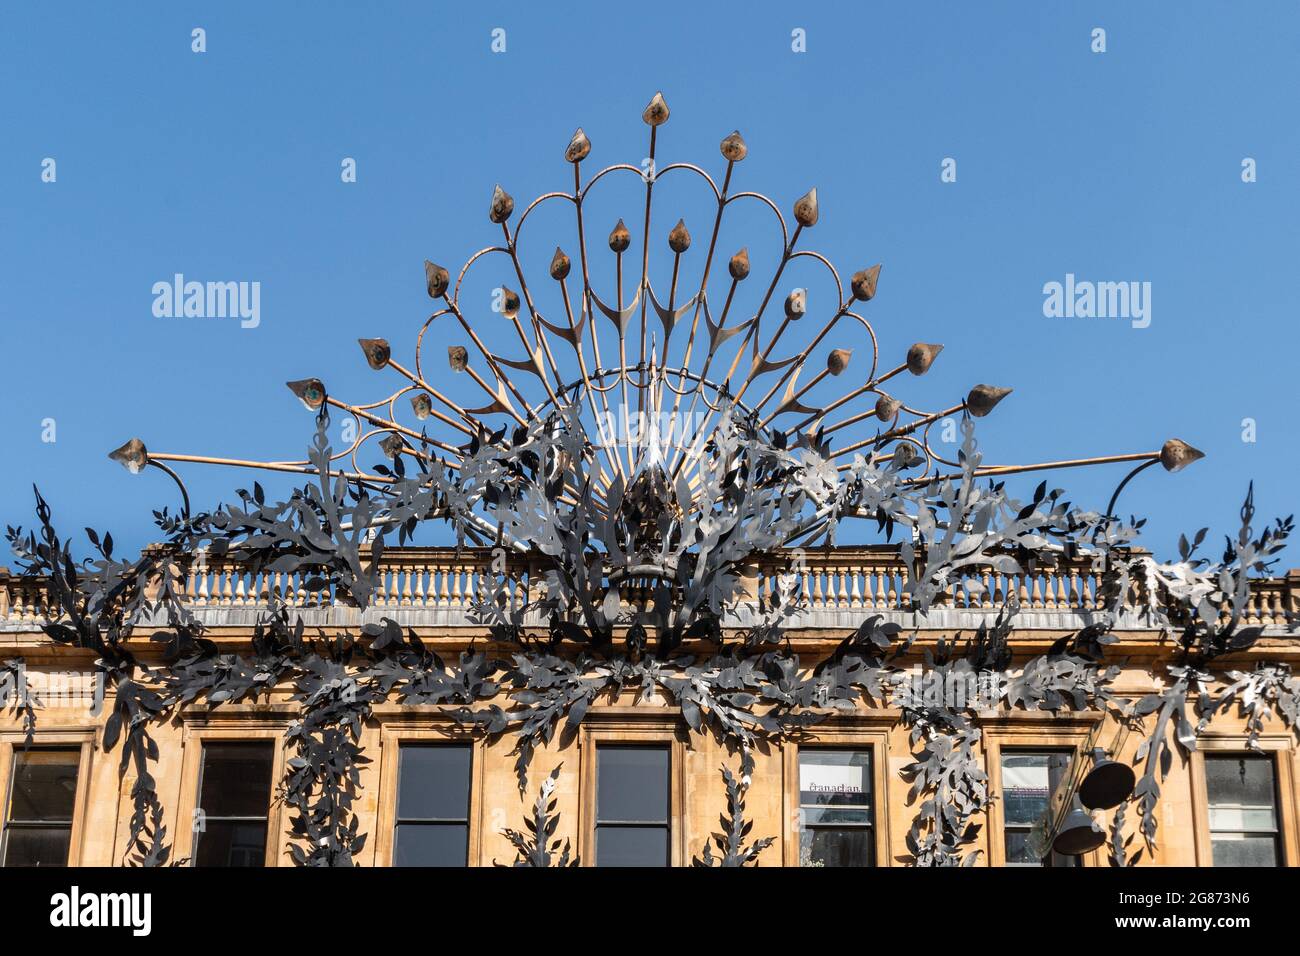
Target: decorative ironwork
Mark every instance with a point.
(648, 374)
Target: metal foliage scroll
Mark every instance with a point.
(730, 840)
(539, 847)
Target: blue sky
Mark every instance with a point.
(1115, 166)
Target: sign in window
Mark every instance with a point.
(835, 808)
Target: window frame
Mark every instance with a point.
(80, 741)
(1279, 748)
(870, 733)
(1031, 731)
(631, 726)
(396, 730)
(230, 728)
(1013, 750)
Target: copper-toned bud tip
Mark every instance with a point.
(679, 240)
(132, 456)
(796, 304)
(578, 147)
(734, 148)
(838, 360)
(984, 398)
(377, 352)
(620, 238)
(502, 205)
(559, 264)
(392, 445)
(906, 455)
(887, 407)
(921, 356)
(656, 114)
(509, 302)
(310, 391)
(1176, 454)
(422, 405)
(739, 265)
(805, 209)
(457, 357)
(864, 283)
(437, 278)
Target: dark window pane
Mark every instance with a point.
(631, 846)
(1244, 850)
(433, 782)
(37, 846)
(431, 844)
(1018, 851)
(632, 784)
(830, 847)
(231, 843)
(838, 778)
(44, 785)
(1243, 813)
(236, 780)
(821, 816)
(1241, 792)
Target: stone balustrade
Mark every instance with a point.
(835, 583)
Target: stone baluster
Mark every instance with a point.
(444, 571)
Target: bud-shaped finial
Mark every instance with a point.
(838, 360)
(864, 282)
(796, 304)
(559, 265)
(377, 352)
(656, 114)
(906, 455)
(887, 407)
(984, 398)
(392, 445)
(805, 209)
(679, 240)
(437, 278)
(132, 456)
(509, 302)
(457, 357)
(1176, 454)
(739, 265)
(620, 238)
(578, 147)
(502, 205)
(422, 405)
(734, 148)
(310, 391)
(921, 356)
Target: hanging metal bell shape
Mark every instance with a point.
(1079, 834)
(1108, 784)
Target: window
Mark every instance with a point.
(42, 795)
(835, 804)
(1028, 781)
(632, 827)
(432, 805)
(234, 796)
(1243, 811)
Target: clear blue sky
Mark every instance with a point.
(226, 165)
